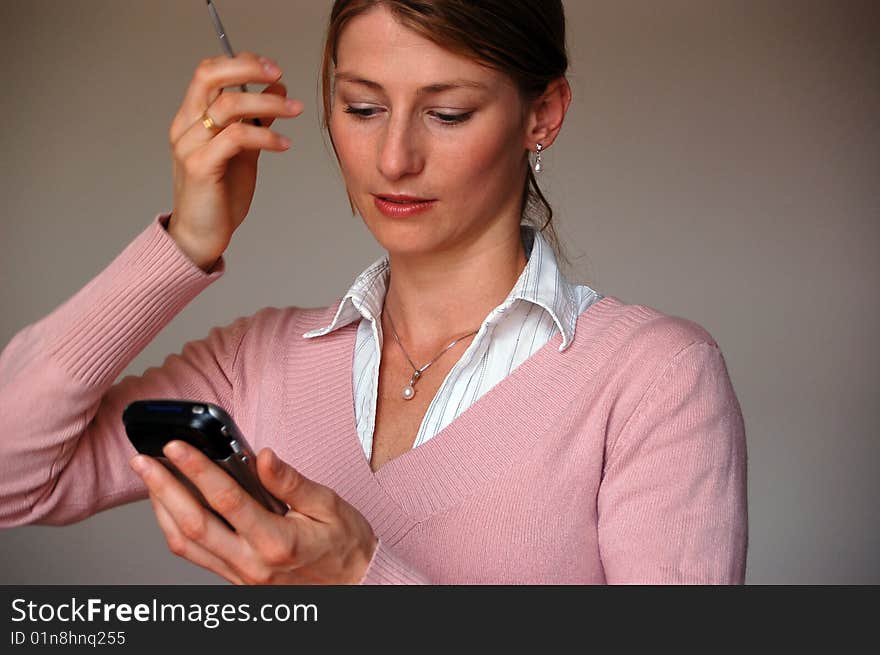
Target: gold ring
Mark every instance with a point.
(208, 122)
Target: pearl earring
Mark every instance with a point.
(538, 150)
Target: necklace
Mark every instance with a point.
(409, 390)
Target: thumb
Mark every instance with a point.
(286, 483)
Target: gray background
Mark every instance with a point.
(719, 162)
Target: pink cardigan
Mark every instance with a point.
(621, 460)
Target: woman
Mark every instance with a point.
(474, 417)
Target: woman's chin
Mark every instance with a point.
(405, 238)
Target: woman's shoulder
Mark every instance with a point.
(647, 324)
(254, 340)
(638, 335)
(283, 322)
(668, 365)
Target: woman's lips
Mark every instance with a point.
(400, 209)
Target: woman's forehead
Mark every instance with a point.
(374, 47)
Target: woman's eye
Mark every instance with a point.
(447, 119)
(358, 113)
(453, 119)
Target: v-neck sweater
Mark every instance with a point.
(620, 460)
(541, 303)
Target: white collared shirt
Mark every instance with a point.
(541, 303)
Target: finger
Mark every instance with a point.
(214, 74)
(303, 495)
(196, 523)
(211, 160)
(189, 549)
(222, 492)
(281, 90)
(235, 106)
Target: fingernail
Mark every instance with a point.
(175, 451)
(276, 462)
(285, 142)
(291, 105)
(270, 66)
(139, 464)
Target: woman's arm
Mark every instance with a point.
(672, 503)
(63, 449)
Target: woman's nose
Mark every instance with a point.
(400, 152)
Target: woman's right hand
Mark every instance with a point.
(215, 170)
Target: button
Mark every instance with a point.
(198, 409)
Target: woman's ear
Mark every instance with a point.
(548, 112)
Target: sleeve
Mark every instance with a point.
(63, 449)
(386, 568)
(672, 502)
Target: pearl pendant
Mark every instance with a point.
(408, 392)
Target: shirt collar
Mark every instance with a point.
(541, 283)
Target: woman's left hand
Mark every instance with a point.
(321, 540)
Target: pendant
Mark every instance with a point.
(409, 390)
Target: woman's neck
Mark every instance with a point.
(436, 299)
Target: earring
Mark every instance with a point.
(538, 150)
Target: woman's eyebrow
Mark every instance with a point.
(425, 90)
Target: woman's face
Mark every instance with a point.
(464, 146)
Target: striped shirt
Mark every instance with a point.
(540, 304)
